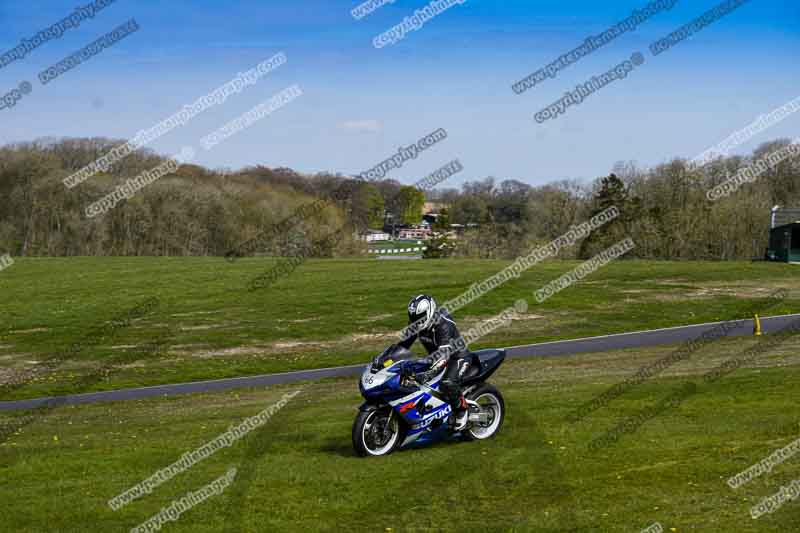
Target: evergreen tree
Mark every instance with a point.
(612, 193)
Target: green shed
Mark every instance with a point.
(784, 243)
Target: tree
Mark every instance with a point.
(198, 211)
(469, 210)
(439, 245)
(376, 208)
(411, 201)
(611, 193)
(442, 223)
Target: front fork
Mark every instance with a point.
(369, 407)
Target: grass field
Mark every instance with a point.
(327, 313)
(298, 473)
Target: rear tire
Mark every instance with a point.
(377, 432)
(491, 400)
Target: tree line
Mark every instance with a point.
(205, 212)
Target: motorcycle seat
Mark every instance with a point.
(483, 362)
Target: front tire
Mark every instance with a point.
(494, 405)
(376, 432)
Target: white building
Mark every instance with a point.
(373, 235)
(414, 233)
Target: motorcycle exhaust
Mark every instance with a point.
(479, 417)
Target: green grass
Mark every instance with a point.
(327, 313)
(298, 473)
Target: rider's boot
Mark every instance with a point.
(460, 415)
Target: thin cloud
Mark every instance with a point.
(362, 126)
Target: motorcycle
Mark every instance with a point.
(399, 410)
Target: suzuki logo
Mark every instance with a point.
(407, 407)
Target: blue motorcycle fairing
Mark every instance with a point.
(422, 409)
(388, 385)
(406, 401)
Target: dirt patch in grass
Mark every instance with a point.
(291, 345)
(359, 337)
(194, 313)
(255, 349)
(377, 318)
(752, 290)
(712, 291)
(14, 358)
(527, 316)
(294, 347)
(7, 375)
(204, 327)
(472, 320)
(227, 352)
(299, 320)
(199, 328)
(673, 281)
(31, 330)
(738, 292)
(190, 346)
(138, 364)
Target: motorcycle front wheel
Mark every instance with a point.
(377, 432)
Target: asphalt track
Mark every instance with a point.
(638, 339)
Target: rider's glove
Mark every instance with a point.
(434, 368)
(426, 376)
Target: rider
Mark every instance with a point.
(438, 334)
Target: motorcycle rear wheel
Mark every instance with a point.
(491, 401)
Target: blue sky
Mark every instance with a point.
(360, 103)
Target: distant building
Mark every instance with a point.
(782, 216)
(784, 236)
(463, 227)
(373, 235)
(784, 243)
(414, 232)
(432, 207)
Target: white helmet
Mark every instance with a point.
(421, 310)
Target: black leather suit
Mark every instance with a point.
(445, 346)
